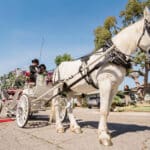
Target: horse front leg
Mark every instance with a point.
(59, 125)
(105, 88)
(56, 107)
(74, 127)
(55, 113)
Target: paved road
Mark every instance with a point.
(129, 131)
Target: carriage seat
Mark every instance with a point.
(41, 86)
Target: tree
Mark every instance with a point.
(61, 58)
(101, 35)
(110, 24)
(10, 80)
(134, 11)
(105, 32)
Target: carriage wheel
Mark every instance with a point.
(23, 110)
(63, 109)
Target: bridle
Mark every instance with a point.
(145, 29)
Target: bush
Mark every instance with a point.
(120, 94)
(117, 101)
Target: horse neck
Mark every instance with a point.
(127, 40)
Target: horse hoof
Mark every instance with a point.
(105, 142)
(76, 130)
(60, 130)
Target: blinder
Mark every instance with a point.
(147, 26)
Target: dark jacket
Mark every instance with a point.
(33, 72)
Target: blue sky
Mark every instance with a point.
(66, 25)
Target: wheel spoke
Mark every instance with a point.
(22, 111)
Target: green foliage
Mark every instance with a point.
(19, 82)
(135, 108)
(10, 80)
(146, 3)
(140, 58)
(61, 58)
(101, 35)
(110, 23)
(105, 32)
(132, 12)
(120, 94)
(117, 101)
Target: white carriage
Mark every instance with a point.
(35, 99)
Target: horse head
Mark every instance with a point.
(134, 36)
(144, 40)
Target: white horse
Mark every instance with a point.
(108, 76)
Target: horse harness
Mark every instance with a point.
(115, 57)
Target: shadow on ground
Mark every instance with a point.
(37, 121)
(115, 128)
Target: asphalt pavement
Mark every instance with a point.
(129, 131)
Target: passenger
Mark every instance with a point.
(42, 69)
(34, 70)
(42, 75)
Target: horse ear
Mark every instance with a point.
(146, 12)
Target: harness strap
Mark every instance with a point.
(88, 77)
(146, 28)
(115, 57)
(138, 45)
(89, 72)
